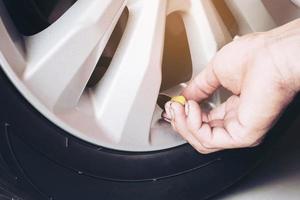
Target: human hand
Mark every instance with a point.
(261, 70)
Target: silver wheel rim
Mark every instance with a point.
(51, 68)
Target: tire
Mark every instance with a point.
(41, 161)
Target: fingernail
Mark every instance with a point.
(187, 108)
(172, 112)
(165, 117)
(236, 37)
(164, 114)
(167, 108)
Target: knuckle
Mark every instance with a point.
(242, 137)
(199, 148)
(257, 142)
(247, 142)
(250, 137)
(207, 144)
(202, 151)
(193, 129)
(254, 38)
(174, 126)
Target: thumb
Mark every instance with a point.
(203, 85)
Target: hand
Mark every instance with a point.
(262, 71)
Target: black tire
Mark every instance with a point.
(38, 160)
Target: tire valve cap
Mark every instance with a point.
(179, 99)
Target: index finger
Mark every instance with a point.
(203, 85)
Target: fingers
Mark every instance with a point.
(224, 129)
(194, 116)
(244, 119)
(204, 85)
(179, 123)
(166, 115)
(261, 105)
(221, 131)
(185, 121)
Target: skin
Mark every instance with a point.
(262, 70)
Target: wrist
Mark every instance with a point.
(283, 44)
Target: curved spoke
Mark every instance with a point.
(64, 55)
(178, 5)
(206, 32)
(125, 98)
(12, 45)
(251, 14)
(296, 2)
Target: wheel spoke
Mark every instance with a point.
(206, 32)
(125, 98)
(62, 57)
(12, 44)
(251, 15)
